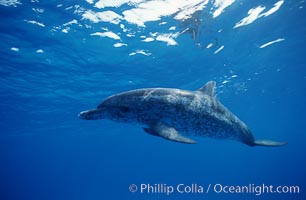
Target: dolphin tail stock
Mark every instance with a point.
(268, 143)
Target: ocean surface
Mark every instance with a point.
(58, 58)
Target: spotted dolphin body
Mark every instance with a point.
(167, 113)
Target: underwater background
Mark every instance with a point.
(58, 58)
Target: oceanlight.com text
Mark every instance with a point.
(256, 189)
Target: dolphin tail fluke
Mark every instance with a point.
(268, 143)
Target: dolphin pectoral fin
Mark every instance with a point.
(151, 132)
(168, 133)
(268, 143)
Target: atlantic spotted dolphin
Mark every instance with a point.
(174, 114)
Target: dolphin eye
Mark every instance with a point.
(124, 109)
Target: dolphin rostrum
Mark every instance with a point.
(174, 114)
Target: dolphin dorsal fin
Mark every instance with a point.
(208, 88)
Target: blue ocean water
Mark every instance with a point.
(58, 58)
